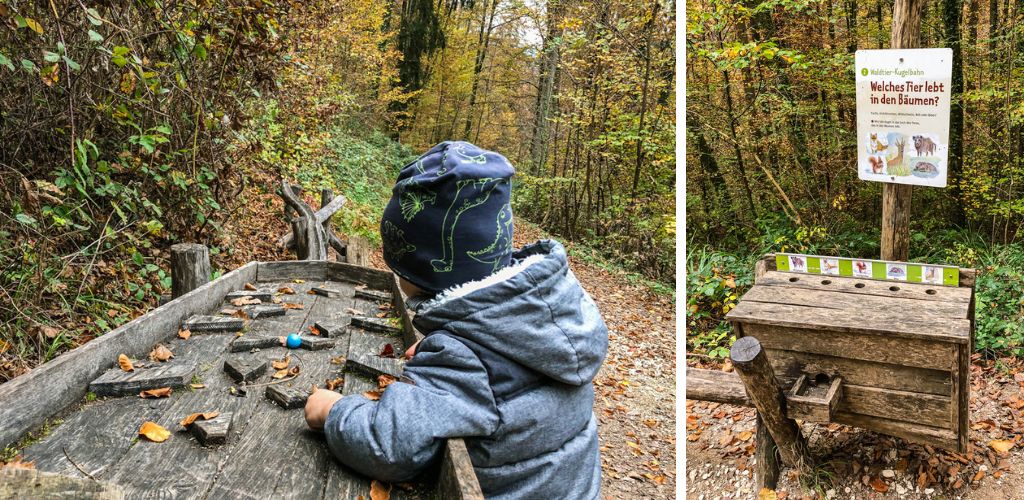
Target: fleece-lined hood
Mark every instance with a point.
(533, 312)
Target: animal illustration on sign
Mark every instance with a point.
(876, 164)
(924, 145)
(877, 146)
(895, 162)
(925, 169)
(861, 267)
(896, 271)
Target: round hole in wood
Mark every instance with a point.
(859, 285)
(822, 379)
(930, 291)
(826, 282)
(894, 288)
(794, 279)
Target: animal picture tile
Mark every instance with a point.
(896, 271)
(862, 268)
(830, 265)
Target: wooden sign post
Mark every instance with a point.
(906, 34)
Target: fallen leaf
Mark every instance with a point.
(280, 374)
(381, 315)
(353, 312)
(977, 477)
(337, 360)
(745, 435)
(384, 381)
(125, 363)
(766, 494)
(197, 386)
(161, 353)
(336, 383)
(184, 334)
(314, 330)
(296, 280)
(360, 287)
(388, 351)
(281, 364)
(294, 371)
(878, 485)
(288, 305)
(162, 392)
(49, 331)
(275, 299)
(286, 290)
(250, 287)
(197, 416)
(1002, 446)
(372, 395)
(4, 346)
(18, 463)
(229, 311)
(153, 432)
(111, 313)
(245, 301)
(378, 490)
(310, 292)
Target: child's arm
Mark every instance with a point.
(395, 438)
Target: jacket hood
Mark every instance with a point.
(533, 312)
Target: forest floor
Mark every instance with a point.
(864, 464)
(635, 389)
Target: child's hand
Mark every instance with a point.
(318, 406)
(411, 351)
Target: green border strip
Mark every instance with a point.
(874, 269)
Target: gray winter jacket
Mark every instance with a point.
(507, 364)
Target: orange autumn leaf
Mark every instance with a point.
(161, 353)
(18, 463)
(878, 485)
(245, 301)
(250, 287)
(379, 490)
(197, 416)
(314, 330)
(197, 386)
(334, 384)
(125, 363)
(372, 395)
(184, 334)
(280, 374)
(288, 305)
(294, 371)
(282, 363)
(153, 432)
(287, 290)
(162, 392)
(767, 494)
(1002, 446)
(384, 381)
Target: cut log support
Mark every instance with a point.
(248, 344)
(267, 311)
(313, 228)
(332, 330)
(245, 370)
(316, 344)
(751, 364)
(190, 268)
(766, 457)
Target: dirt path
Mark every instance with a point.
(719, 451)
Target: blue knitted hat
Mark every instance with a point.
(449, 220)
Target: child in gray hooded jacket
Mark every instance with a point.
(512, 343)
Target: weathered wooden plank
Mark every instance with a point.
(245, 369)
(316, 343)
(865, 304)
(717, 386)
(29, 483)
(457, 480)
(115, 382)
(409, 334)
(214, 431)
(33, 397)
(286, 397)
(380, 325)
(250, 342)
(261, 295)
(791, 364)
(372, 295)
(356, 383)
(364, 354)
(266, 311)
(866, 287)
(373, 278)
(327, 292)
(961, 407)
(878, 348)
(910, 407)
(334, 328)
(213, 324)
(941, 438)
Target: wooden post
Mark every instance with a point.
(751, 364)
(766, 457)
(326, 196)
(308, 233)
(906, 34)
(289, 211)
(190, 268)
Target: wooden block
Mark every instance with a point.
(245, 369)
(267, 311)
(334, 328)
(813, 402)
(249, 343)
(376, 325)
(116, 382)
(214, 431)
(263, 295)
(316, 344)
(364, 355)
(374, 295)
(287, 397)
(327, 292)
(213, 324)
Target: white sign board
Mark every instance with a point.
(903, 115)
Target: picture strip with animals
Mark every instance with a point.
(868, 269)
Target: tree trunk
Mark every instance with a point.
(548, 72)
(486, 25)
(951, 10)
(906, 34)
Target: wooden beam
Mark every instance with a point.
(190, 268)
(752, 366)
(906, 34)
